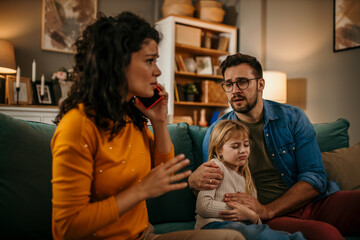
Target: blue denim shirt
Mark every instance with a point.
(291, 141)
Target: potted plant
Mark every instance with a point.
(190, 91)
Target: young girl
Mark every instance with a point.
(229, 148)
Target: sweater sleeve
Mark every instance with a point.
(74, 213)
(210, 202)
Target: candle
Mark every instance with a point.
(17, 83)
(33, 71)
(42, 85)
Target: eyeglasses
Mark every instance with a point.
(241, 83)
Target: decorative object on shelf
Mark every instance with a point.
(212, 92)
(177, 7)
(346, 24)
(64, 77)
(210, 11)
(186, 35)
(203, 121)
(195, 117)
(204, 65)
(275, 86)
(190, 91)
(24, 95)
(63, 21)
(190, 64)
(43, 95)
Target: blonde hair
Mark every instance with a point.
(221, 133)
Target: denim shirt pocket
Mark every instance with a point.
(287, 155)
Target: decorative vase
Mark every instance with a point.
(65, 87)
(189, 97)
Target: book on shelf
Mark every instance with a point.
(180, 92)
(180, 63)
(176, 92)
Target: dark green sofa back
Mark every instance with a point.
(25, 176)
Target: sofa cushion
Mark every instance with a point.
(176, 206)
(343, 165)
(197, 134)
(25, 175)
(332, 135)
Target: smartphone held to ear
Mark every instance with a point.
(151, 101)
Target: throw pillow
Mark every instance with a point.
(343, 166)
(332, 135)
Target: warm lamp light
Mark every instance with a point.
(7, 57)
(275, 86)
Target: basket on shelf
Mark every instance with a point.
(177, 7)
(210, 10)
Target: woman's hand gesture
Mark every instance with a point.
(162, 179)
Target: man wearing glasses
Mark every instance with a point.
(285, 162)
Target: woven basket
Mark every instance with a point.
(212, 92)
(177, 7)
(210, 11)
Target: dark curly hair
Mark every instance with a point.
(239, 58)
(103, 52)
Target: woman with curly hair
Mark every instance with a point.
(106, 162)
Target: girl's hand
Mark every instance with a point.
(159, 111)
(239, 213)
(162, 179)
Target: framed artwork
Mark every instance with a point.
(49, 97)
(204, 65)
(346, 24)
(63, 21)
(25, 93)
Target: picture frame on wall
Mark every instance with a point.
(63, 21)
(346, 25)
(25, 93)
(49, 97)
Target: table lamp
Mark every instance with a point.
(275, 86)
(7, 57)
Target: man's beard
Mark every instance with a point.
(248, 107)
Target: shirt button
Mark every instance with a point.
(273, 155)
(284, 152)
(110, 148)
(267, 135)
(85, 146)
(123, 162)
(129, 145)
(100, 171)
(282, 174)
(94, 234)
(294, 148)
(132, 170)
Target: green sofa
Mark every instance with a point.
(25, 175)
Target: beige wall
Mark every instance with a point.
(299, 41)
